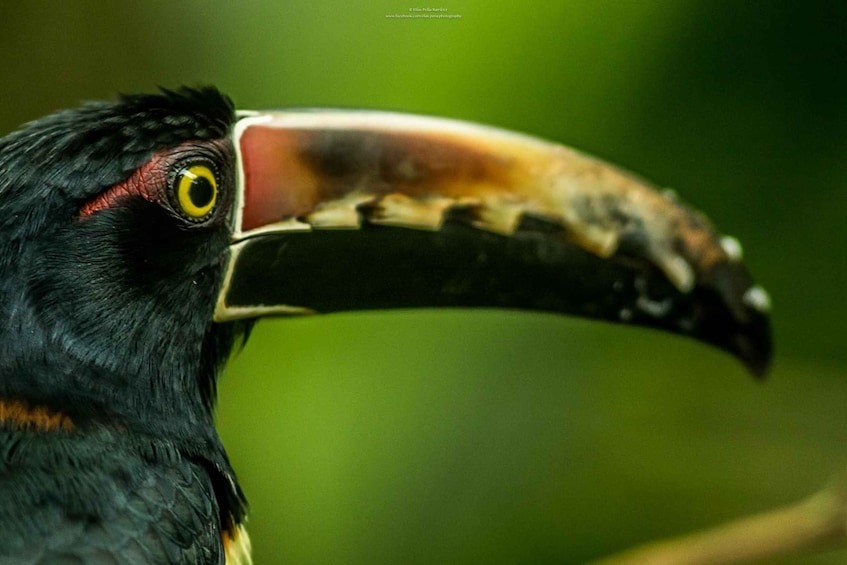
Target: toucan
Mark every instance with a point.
(140, 240)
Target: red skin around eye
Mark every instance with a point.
(148, 182)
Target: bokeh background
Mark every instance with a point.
(500, 437)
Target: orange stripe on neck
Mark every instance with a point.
(22, 416)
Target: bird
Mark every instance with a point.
(142, 238)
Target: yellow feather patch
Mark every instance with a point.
(237, 546)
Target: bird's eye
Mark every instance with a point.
(196, 191)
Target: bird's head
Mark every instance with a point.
(139, 238)
(114, 238)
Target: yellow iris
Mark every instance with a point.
(197, 191)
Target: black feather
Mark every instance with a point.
(108, 318)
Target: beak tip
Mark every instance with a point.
(755, 349)
(739, 315)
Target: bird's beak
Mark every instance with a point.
(353, 210)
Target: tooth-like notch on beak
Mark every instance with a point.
(486, 218)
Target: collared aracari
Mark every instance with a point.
(142, 238)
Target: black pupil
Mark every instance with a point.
(200, 192)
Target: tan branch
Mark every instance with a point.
(815, 524)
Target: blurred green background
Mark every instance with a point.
(492, 437)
